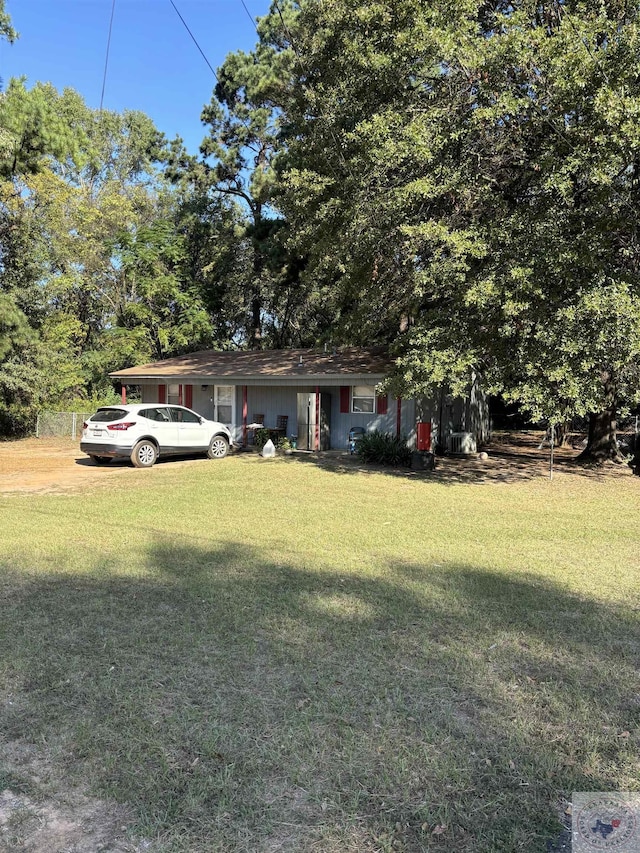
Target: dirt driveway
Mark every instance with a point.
(56, 466)
(46, 466)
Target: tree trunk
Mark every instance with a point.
(602, 444)
(255, 307)
(561, 433)
(255, 341)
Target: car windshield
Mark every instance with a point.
(107, 415)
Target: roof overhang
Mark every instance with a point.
(347, 366)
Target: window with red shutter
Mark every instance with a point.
(162, 393)
(188, 396)
(344, 399)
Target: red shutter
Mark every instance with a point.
(188, 396)
(162, 393)
(344, 399)
(381, 404)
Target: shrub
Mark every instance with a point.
(384, 449)
(261, 437)
(17, 421)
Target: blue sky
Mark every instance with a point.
(154, 65)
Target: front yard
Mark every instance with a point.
(256, 655)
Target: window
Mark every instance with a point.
(105, 416)
(223, 403)
(173, 394)
(161, 415)
(363, 399)
(184, 416)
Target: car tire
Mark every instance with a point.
(144, 454)
(100, 460)
(218, 448)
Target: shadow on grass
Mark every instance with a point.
(504, 465)
(240, 705)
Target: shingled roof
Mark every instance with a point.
(346, 363)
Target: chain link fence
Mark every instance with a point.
(61, 424)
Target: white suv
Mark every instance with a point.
(145, 431)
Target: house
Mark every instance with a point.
(319, 394)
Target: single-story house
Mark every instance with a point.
(315, 395)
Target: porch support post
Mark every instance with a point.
(244, 415)
(317, 436)
(180, 403)
(398, 416)
(123, 394)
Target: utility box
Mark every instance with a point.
(423, 435)
(461, 444)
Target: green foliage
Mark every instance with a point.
(470, 174)
(173, 318)
(14, 326)
(32, 127)
(6, 29)
(384, 449)
(17, 421)
(92, 265)
(248, 272)
(261, 437)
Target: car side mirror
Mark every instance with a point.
(201, 419)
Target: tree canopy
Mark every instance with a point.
(468, 174)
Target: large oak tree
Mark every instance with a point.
(469, 173)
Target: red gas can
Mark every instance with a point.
(423, 435)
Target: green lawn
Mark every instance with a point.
(265, 655)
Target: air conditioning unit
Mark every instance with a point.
(461, 444)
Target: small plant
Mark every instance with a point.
(384, 449)
(261, 437)
(284, 443)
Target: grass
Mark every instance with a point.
(264, 655)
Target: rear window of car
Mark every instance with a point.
(107, 415)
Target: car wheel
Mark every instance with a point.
(144, 454)
(100, 460)
(218, 448)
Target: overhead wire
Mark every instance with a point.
(106, 59)
(251, 18)
(195, 41)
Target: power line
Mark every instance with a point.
(251, 18)
(106, 59)
(193, 39)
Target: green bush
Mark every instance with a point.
(17, 421)
(384, 449)
(261, 437)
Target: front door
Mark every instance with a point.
(224, 404)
